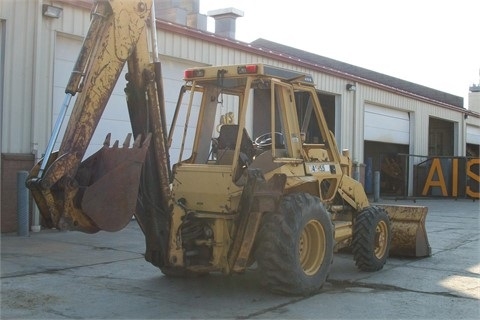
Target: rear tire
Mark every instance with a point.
(371, 239)
(294, 246)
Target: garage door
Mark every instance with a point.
(386, 125)
(473, 134)
(115, 118)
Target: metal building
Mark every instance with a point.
(382, 120)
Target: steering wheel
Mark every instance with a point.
(264, 141)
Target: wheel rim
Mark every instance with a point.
(381, 235)
(312, 247)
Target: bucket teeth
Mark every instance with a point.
(126, 143)
(106, 143)
(146, 142)
(137, 142)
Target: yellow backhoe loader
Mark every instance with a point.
(207, 196)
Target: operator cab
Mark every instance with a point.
(250, 116)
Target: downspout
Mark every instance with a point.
(36, 99)
(356, 164)
(2, 88)
(462, 150)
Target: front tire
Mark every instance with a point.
(371, 239)
(294, 246)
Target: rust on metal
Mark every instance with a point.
(409, 235)
(113, 177)
(88, 202)
(248, 238)
(258, 196)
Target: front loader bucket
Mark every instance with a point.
(409, 235)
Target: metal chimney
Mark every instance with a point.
(225, 21)
(184, 12)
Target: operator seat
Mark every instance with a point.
(227, 137)
(226, 145)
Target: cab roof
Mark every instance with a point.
(236, 71)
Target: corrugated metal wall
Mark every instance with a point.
(19, 16)
(30, 43)
(28, 76)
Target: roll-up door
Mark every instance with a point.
(115, 119)
(386, 125)
(473, 135)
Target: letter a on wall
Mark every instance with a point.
(436, 167)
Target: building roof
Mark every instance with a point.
(361, 73)
(315, 62)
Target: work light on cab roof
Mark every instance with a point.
(200, 73)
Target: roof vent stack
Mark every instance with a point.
(184, 12)
(225, 21)
(474, 97)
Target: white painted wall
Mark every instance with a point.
(31, 95)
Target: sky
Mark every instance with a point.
(431, 43)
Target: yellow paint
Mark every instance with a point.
(455, 177)
(436, 167)
(474, 176)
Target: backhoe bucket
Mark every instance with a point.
(102, 195)
(409, 235)
(113, 178)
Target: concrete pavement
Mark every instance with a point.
(71, 275)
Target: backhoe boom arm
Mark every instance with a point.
(102, 192)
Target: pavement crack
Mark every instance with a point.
(55, 270)
(462, 241)
(273, 308)
(385, 287)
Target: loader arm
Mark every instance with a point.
(102, 192)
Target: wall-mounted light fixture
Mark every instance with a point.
(465, 116)
(51, 11)
(351, 87)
